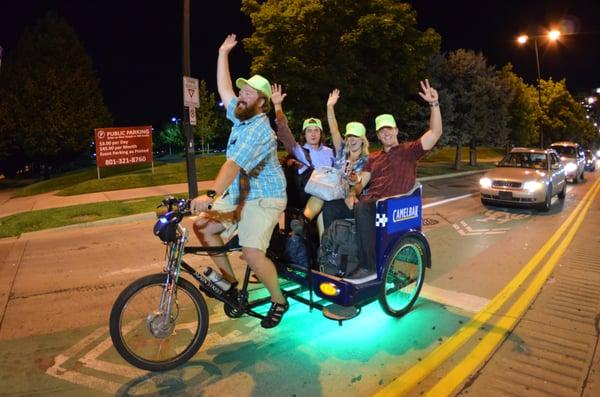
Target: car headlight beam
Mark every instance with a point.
(533, 186)
(571, 167)
(485, 182)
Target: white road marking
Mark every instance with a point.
(465, 230)
(435, 204)
(461, 300)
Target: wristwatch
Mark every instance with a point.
(211, 194)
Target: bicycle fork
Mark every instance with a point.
(161, 322)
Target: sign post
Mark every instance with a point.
(191, 101)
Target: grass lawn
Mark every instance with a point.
(124, 177)
(14, 225)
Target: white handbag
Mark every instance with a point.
(327, 183)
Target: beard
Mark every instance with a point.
(243, 111)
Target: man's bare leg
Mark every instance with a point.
(265, 271)
(209, 235)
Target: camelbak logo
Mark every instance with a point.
(403, 214)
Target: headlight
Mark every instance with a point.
(533, 186)
(485, 182)
(571, 167)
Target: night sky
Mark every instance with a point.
(136, 45)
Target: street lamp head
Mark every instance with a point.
(522, 39)
(553, 35)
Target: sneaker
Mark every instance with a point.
(275, 314)
(297, 227)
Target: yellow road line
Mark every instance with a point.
(496, 335)
(415, 374)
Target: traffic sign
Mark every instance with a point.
(190, 92)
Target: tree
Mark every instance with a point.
(169, 137)
(371, 50)
(51, 99)
(478, 102)
(563, 117)
(524, 111)
(206, 117)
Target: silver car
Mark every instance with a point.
(572, 157)
(526, 177)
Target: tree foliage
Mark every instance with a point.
(207, 121)
(51, 99)
(524, 111)
(169, 138)
(371, 50)
(563, 117)
(476, 104)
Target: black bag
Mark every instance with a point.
(338, 253)
(296, 251)
(295, 183)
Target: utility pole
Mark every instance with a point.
(187, 127)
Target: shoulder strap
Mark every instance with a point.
(307, 156)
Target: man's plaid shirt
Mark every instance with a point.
(252, 145)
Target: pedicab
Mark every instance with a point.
(160, 321)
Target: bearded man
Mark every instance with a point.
(249, 193)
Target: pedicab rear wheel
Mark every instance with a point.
(403, 275)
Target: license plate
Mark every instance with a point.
(505, 195)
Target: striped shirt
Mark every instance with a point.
(253, 146)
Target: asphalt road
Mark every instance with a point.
(57, 287)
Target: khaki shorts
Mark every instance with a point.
(254, 220)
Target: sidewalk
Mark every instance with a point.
(10, 206)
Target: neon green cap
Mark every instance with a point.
(355, 128)
(312, 122)
(257, 82)
(384, 120)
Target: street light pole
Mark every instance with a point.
(190, 157)
(552, 36)
(539, 90)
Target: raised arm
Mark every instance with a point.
(332, 121)
(430, 95)
(284, 134)
(224, 84)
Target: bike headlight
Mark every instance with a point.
(571, 167)
(532, 186)
(485, 182)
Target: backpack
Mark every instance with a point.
(296, 251)
(338, 253)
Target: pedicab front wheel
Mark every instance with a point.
(403, 275)
(153, 332)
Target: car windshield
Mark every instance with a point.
(525, 160)
(564, 151)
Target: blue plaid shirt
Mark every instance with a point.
(253, 146)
